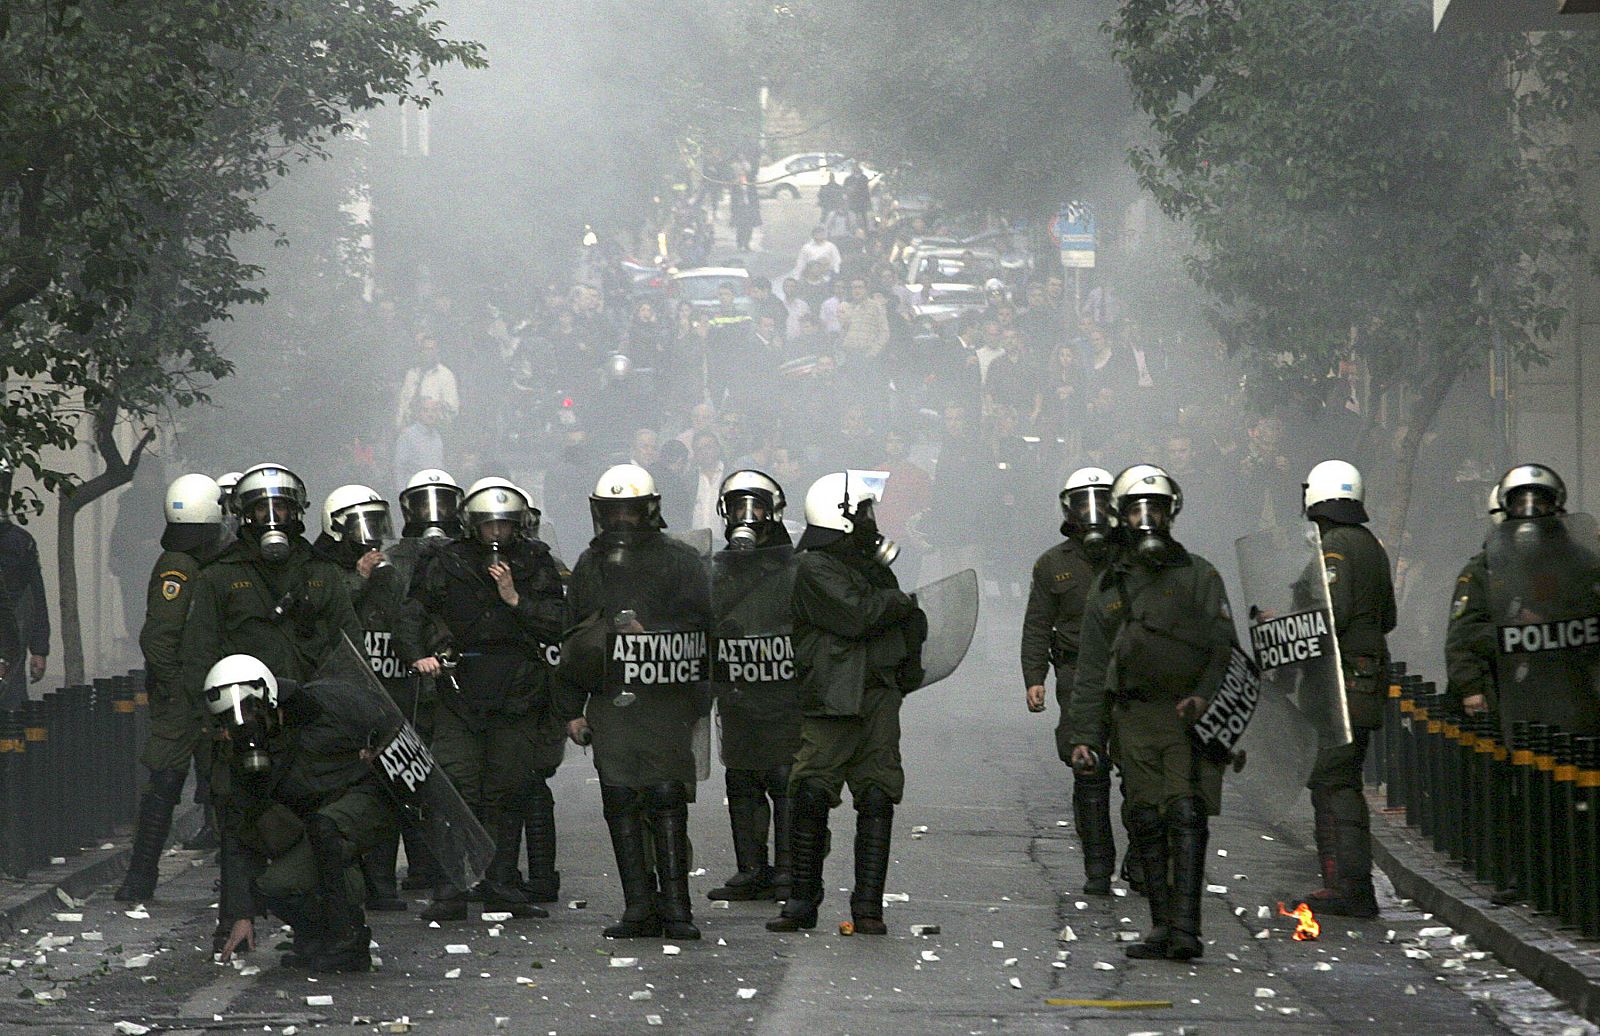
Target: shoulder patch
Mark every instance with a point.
(172, 573)
(1333, 576)
(1332, 555)
(241, 584)
(1461, 607)
(1063, 576)
(170, 588)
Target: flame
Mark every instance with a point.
(1308, 928)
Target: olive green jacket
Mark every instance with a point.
(1062, 579)
(851, 624)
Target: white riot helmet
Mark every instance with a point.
(1496, 513)
(356, 514)
(1147, 499)
(285, 494)
(226, 484)
(1086, 509)
(625, 501)
(750, 504)
(431, 504)
(1334, 490)
(235, 680)
(194, 500)
(836, 504)
(1531, 491)
(496, 499)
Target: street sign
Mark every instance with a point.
(1073, 231)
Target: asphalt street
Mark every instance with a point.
(984, 850)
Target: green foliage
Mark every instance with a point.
(1356, 183)
(135, 136)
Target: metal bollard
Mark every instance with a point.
(36, 802)
(1540, 804)
(78, 754)
(1485, 800)
(13, 763)
(1393, 731)
(124, 771)
(1564, 777)
(1411, 755)
(1522, 807)
(1587, 813)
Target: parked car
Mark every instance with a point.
(788, 177)
(699, 285)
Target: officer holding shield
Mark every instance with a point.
(753, 674)
(634, 679)
(1157, 637)
(1062, 579)
(1361, 590)
(498, 594)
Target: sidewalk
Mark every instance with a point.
(26, 901)
(1565, 964)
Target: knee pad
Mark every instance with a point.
(744, 784)
(668, 795)
(167, 785)
(1143, 822)
(874, 802)
(539, 793)
(1348, 806)
(812, 796)
(616, 799)
(1188, 813)
(776, 781)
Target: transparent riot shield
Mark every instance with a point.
(1289, 618)
(651, 719)
(1544, 599)
(420, 788)
(951, 605)
(752, 667)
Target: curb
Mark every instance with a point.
(1529, 942)
(26, 901)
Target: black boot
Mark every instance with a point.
(624, 813)
(1132, 869)
(160, 798)
(874, 824)
(808, 842)
(302, 913)
(377, 870)
(539, 822)
(777, 785)
(347, 936)
(1186, 831)
(205, 839)
(502, 885)
(749, 815)
(669, 807)
(1091, 817)
(449, 904)
(1350, 894)
(1147, 845)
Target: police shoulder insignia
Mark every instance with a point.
(170, 589)
(1333, 575)
(1226, 609)
(1460, 608)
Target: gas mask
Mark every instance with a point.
(249, 721)
(743, 514)
(250, 754)
(273, 535)
(433, 532)
(1088, 519)
(1149, 519)
(872, 542)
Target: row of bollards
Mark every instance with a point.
(1518, 809)
(69, 769)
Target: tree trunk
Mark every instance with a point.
(119, 472)
(1431, 397)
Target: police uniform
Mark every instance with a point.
(1177, 645)
(1057, 595)
(498, 737)
(22, 596)
(1362, 594)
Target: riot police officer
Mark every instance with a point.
(498, 596)
(267, 594)
(753, 676)
(300, 805)
(1157, 635)
(1361, 590)
(634, 680)
(179, 730)
(355, 524)
(1062, 579)
(858, 649)
(430, 507)
(230, 511)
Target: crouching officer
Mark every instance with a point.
(753, 673)
(1062, 579)
(179, 730)
(1361, 591)
(637, 596)
(498, 593)
(355, 524)
(1157, 635)
(858, 650)
(299, 806)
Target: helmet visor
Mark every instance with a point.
(1148, 513)
(236, 703)
(1089, 507)
(369, 526)
(628, 514)
(1530, 502)
(432, 505)
(746, 508)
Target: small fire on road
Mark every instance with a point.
(1308, 928)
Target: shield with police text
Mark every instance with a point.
(418, 785)
(951, 605)
(752, 664)
(1544, 599)
(650, 720)
(1289, 617)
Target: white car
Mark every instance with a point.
(699, 286)
(787, 177)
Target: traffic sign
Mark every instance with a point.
(1073, 231)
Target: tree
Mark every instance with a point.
(142, 136)
(1359, 187)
